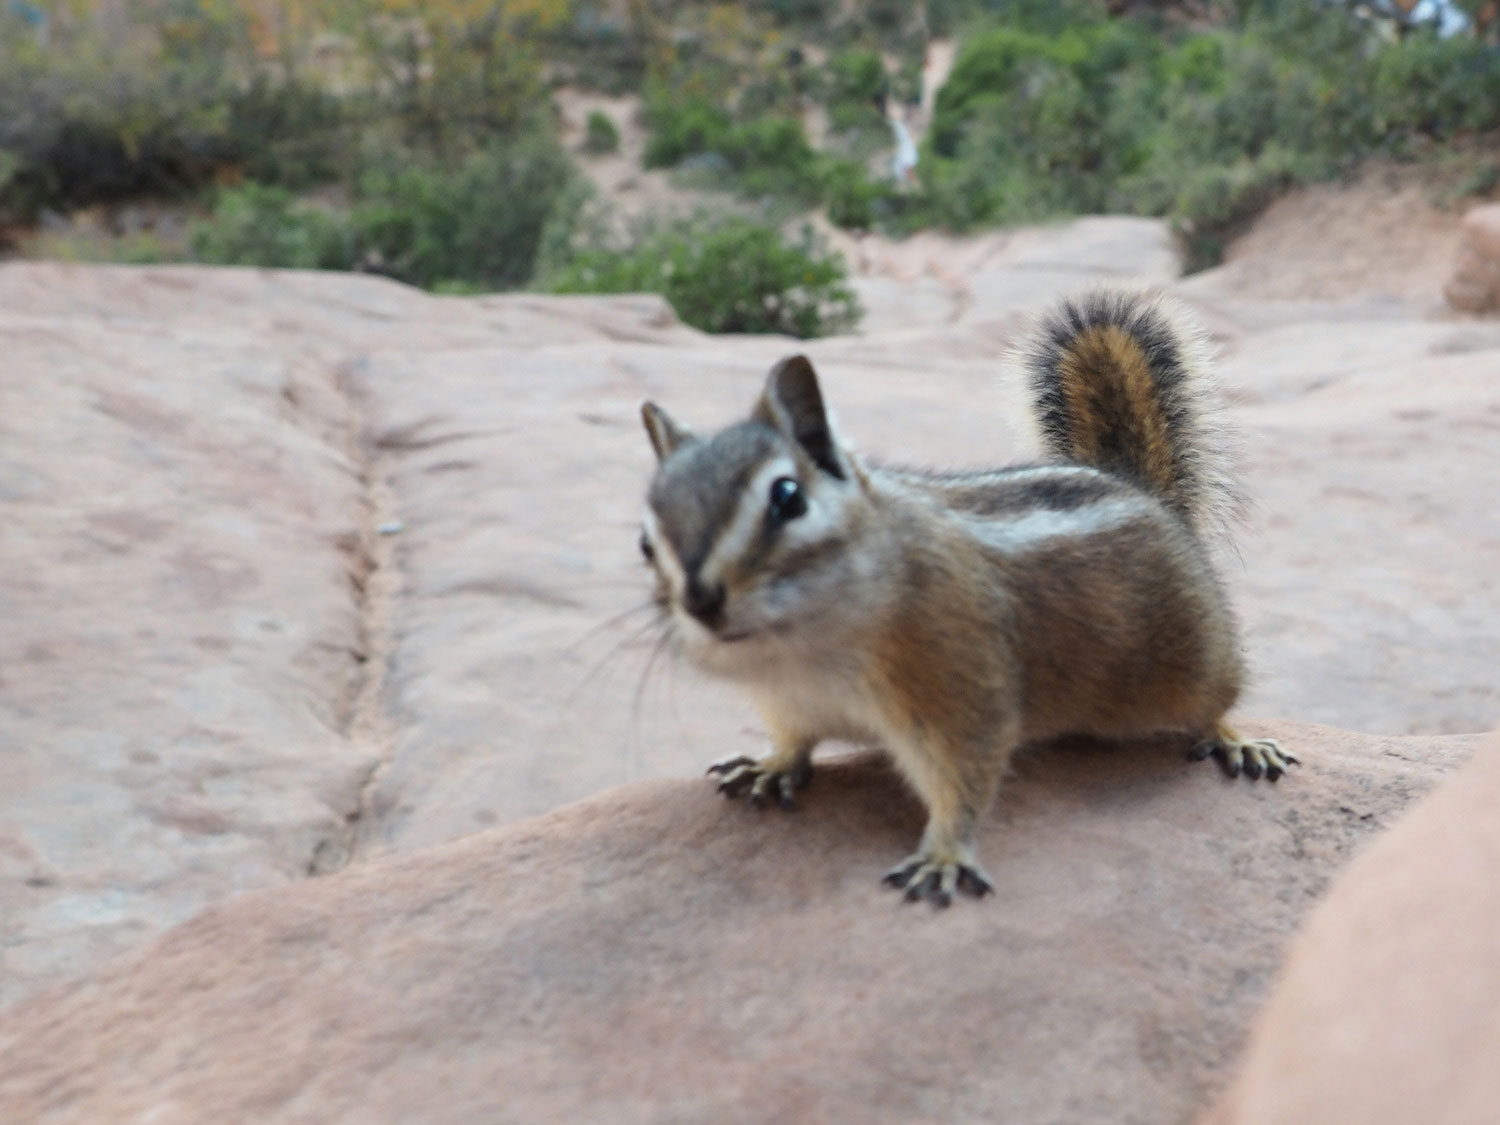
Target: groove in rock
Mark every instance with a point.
(374, 582)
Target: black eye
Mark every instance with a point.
(787, 501)
(646, 549)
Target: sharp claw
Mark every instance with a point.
(973, 882)
(901, 874)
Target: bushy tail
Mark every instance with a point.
(1123, 381)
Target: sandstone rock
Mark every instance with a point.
(186, 525)
(656, 954)
(265, 418)
(1475, 284)
(1376, 235)
(178, 655)
(988, 282)
(1366, 439)
(1388, 1008)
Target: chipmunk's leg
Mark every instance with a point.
(1250, 756)
(778, 775)
(958, 789)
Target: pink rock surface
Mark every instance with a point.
(654, 953)
(177, 655)
(1388, 1008)
(183, 483)
(1475, 284)
(197, 698)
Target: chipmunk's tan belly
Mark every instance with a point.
(820, 704)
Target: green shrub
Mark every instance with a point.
(771, 156)
(762, 156)
(287, 131)
(258, 225)
(599, 133)
(727, 275)
(1437, 87)
(479, 225)
(481, 222)
(681, 128)
(1216, 202)
(1204, 126)
(852, 199)
(856, 76)
(855, 79)
(798, 12)
(165, 99)
(96, 114)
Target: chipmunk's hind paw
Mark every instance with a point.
(1250, 756)
(762, 781)
(922, 876)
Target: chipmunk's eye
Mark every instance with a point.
(787, 501)
(646, 549)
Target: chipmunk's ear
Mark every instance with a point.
(665, 434)
(793, 404)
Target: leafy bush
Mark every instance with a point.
(259, 225)
(1437, 87)
(726, 275)
(763, 155)
(1205, 127)
(798, 12)
(480, 224)
(165, 99)
(855, 80)
(853, 200)
(93, 114)
(599, 133)
(683, 127)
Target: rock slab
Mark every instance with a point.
(655, 954)
(1388, 1008)
(1475, 284)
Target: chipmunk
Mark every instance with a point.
(953, 617)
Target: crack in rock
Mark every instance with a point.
(374, 581)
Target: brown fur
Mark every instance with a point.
(1131, 396)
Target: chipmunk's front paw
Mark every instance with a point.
(937, 879)
(765, 780)
(1250, 756)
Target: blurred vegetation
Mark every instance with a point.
(416, 138)
(600, 134)
(480, 223)
(724, 274)
(1043, 117)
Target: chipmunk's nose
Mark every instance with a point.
(705, 601)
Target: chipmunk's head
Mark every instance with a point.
(748, 531)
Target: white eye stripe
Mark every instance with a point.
(666, 556)
(735, 539)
